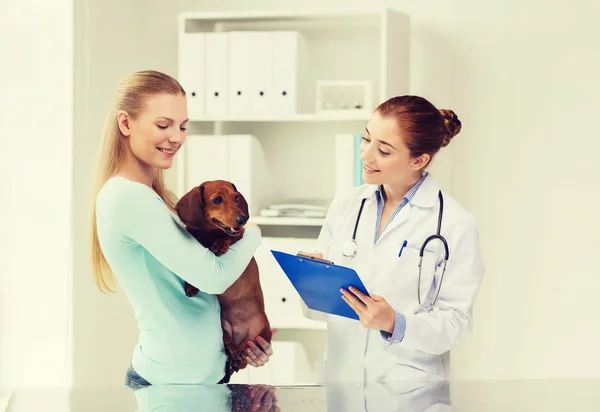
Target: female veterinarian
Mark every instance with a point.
(406, 328)
(138, 237)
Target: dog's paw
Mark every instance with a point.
(236, 356)
(220, 246)
(190, 290)
(238, 360)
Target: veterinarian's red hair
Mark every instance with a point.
(131, 96)
(424, 128)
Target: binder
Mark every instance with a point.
(239, 77)
(248, 170)
(293, 92)
(344, 163)
(246, 73)
(318, 283)
(216, 76)
(261, 73)
(206, 158)
(191, 72)
(237, 158)
(347, 163)
(358, 165)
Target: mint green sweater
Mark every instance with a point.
(152, 255)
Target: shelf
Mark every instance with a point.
(308, 117)
(308, 325)
(290, 15)
(288, 221)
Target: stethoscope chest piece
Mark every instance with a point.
(350, 248)
(420, 308)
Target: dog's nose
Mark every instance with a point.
(241, 219)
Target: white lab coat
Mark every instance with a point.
(357, 354)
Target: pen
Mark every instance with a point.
(402, 248)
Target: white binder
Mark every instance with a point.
(191, 72)
(261, 73)
(215, 63)
(206, 158)
(239, 76)
(293, 90)
(237, 158)
(249, 171)
(344, 156)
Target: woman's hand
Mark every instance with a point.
(374, 312)
(258, 356)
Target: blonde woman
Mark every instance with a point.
(138, 239)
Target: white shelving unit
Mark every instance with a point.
(369, 44)
(299, 148)
(348, 45)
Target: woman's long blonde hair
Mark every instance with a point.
(131, 96)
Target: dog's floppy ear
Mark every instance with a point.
(190, 208)
(201, 196)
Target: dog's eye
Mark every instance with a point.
(217, 200)
(237, 198)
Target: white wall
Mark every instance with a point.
(520, 76)
(36, 118)
(527, 89)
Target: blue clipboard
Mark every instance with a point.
(318, 283)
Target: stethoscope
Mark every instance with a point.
(351, 247)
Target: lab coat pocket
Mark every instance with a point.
(405, 277)
(404, 371)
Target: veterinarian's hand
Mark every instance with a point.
(374, 312)
(258, 356)
(316, 255)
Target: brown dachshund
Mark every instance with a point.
(214, 213)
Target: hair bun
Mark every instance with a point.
(453, 125)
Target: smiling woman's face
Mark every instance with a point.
(386, 158)
(158, 132)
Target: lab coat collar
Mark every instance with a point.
(426, 195)
(368, 192)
